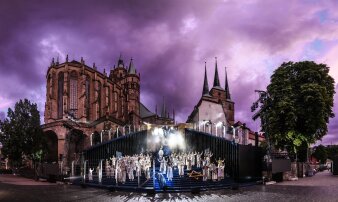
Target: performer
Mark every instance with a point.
(220, 169)
(214, 172)
(160, 153)
(170, 170)
(164, 165)
(138, 168)
(193, 158)
(180, 165)
(198, 159)
(205, 170)
(209, 168)
(148, 166)
(123, 171)
(107, 169)
(130, 170)
(90, 174)
(112, 171)
(161, 160)
(189, 162)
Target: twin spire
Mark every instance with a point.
(216, 78)
(205, 91)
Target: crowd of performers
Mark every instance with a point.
(132, 167)
(212, 170)
(122, 167)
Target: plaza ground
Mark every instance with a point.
(321, 187)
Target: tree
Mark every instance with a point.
(299, 105)
(320, 154)
(21, 133)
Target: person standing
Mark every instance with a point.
(90, 174)
(170, 170)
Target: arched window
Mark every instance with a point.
(60, 95)
(88, 97)
(73, 94)
(99, 99)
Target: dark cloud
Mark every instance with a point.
(169, 41)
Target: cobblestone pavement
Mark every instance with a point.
(322, 187)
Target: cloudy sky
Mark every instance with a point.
(169, 42)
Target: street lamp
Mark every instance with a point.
(91, 139)
(218, 125)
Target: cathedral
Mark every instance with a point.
(85, 107)
(215, 108)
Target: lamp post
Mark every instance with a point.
(117, 131)
(215, 129)
(91, 139)
(203, 125)
(233, 132)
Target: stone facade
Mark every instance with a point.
(215, 105)
(82, 103)
(85, 107)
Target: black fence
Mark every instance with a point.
(241, 161)
(130, 144)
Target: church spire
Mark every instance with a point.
(120, 62)
(205, 91)
(226, 87)
(131, 69)
(216, 78)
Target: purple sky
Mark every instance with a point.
(169, 41)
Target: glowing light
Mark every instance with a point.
(176, 140)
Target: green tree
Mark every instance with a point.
(332, 151)
(21, 134)
(320, 154)
(299, 105)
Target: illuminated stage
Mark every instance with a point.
(242, 163)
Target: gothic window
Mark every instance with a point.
(108, 100)
(99, 99)
(73, 94)
(115, 101)
(50, 89)
(87, 97)
(60, 95)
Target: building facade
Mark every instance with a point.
(85, 107)
(215, 111)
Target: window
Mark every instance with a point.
(73, 94)
(88, 97)
(99, 99)
(50, 89)
(60, 95)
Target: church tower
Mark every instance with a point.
(133, 94)
(217, 92)
(228, 104)
(222, 96)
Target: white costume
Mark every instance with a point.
(90, 174)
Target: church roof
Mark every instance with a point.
(205, 91)
(226, 87)
(131, 69)
(216, 77)
(145, 112)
